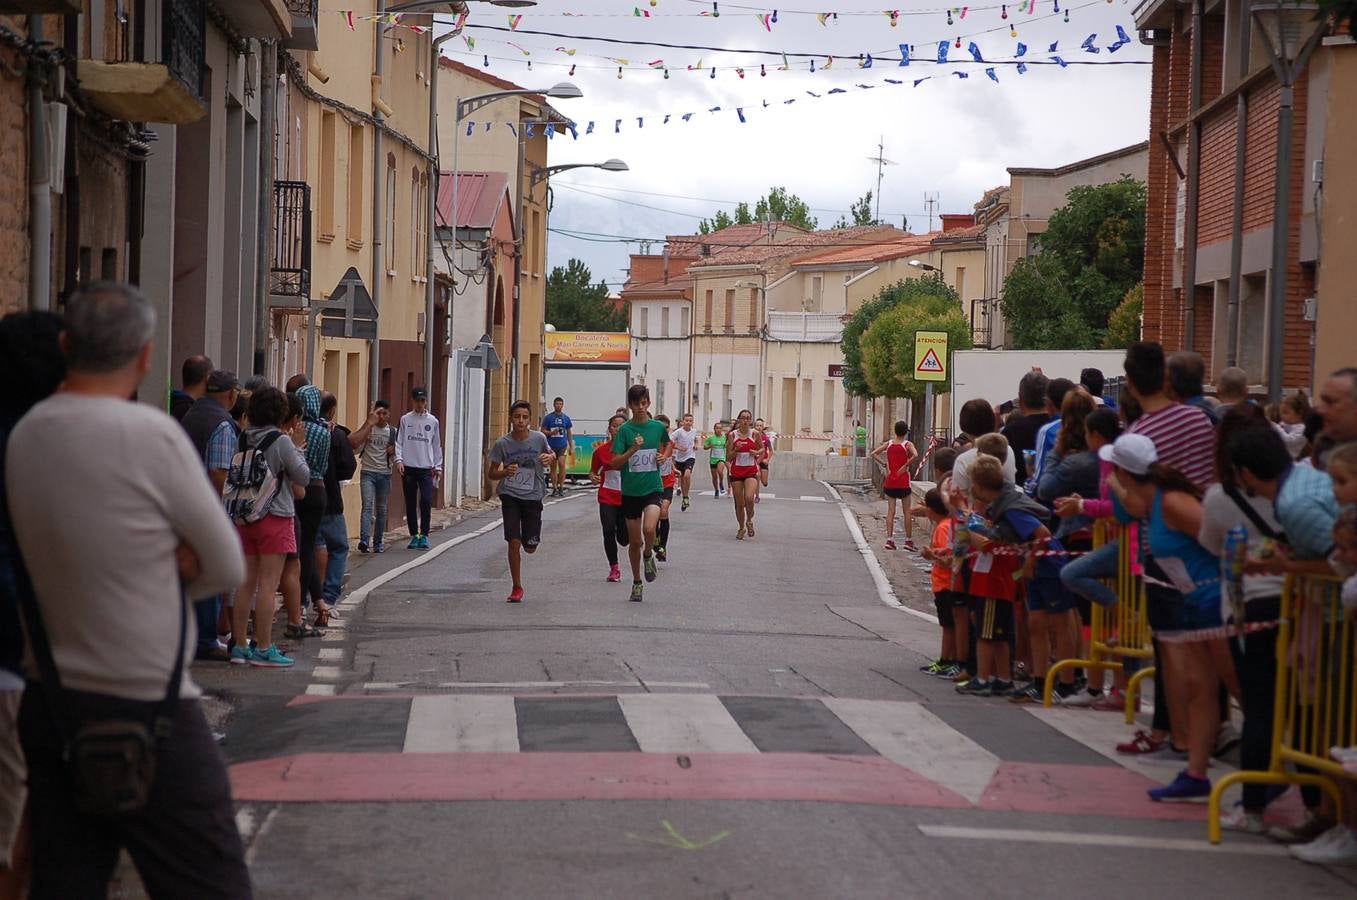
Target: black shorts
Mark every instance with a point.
(944, 602)
(667, 495)
(897, 493)
(685, 465)
(522, 520)
(717, 462)
(993, 618)
(763, 466)
(634, 507)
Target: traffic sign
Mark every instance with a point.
(349, 311)
(930, 356)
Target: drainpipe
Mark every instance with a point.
(39, 183)
(1236, 236)
(268, 87)
(378, 182)
(1194, 142)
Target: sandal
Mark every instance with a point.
(739, 535)
(1141, 744)
(323, 618)
(297, 632)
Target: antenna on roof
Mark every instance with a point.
(931, 203)
(881, 163)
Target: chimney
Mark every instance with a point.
(955, 221)
(666, 263)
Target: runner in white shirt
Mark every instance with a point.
(685, 455)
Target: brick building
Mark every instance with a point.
(1212, 183)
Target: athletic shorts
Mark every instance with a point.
(522, 520)
(946, 601)
(685, 465)
(741, 473)
(897, 493)
(270, 536)
(1048, 595)
(667, 494)
(993, 618)
(634, 507)
(763, 466)
(716, 462)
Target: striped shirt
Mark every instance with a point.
(1184, 439)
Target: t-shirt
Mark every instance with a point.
(1021, 432)
(554, 426)
(668, 474)
(1184, 438)
(374, 450)
(961, 474)
(942, 542)
(610, 491)
(861, 435)
(897, 458)
(641, 474)
(745, 450)
(716, 447)
(1220, 513)
(530, 481)
(685, 444)
(1306, 508)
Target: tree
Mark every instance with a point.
(860, 211)
(1092, 253)
(1123, 328)
(573, 304)
(932, 301)
(777, 206)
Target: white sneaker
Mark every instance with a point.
(1082, 698)
(1337, 846)
(1238, 819)
(1309, 829)
(1226, 740)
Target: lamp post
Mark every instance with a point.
(923, 265)
(544, 172)
(1292, 29)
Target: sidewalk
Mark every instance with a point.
(908, 572)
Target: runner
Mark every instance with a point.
(559, 430)
(636, 451)
(609, 481)
(899, 454)
(685, 455)
(715, 445)
(746, 446)
(669, 478)
(519, 461)
(767, 435)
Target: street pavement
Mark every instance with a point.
(756, 727)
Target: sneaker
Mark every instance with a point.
(1226, 740)
(515, 596)
(1336, 847)
(1029, 694)
(1183, 789)
(662, 554)
(1141, 744)
(377, 548)
(651, 570)
(362, 547)
(1076, 699)
(424, 542)
(1238, 819)
(212, 654)
(951, 671)
(931, 667)
(890, 545)
(1003, 688)
(241, 656)
(414, 543)
(636, 590)
(1111, 701)
(686, 503)
(962, 676)
(1167, 753)
(1311, 828)
(270, 659)
(909, 545)
(976, 688)
(615, 574)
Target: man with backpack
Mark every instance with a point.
(376, 444)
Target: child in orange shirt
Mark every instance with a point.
(952, 606)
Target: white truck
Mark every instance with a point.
(994, 374)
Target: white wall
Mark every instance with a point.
(711, 372)
(994, 374)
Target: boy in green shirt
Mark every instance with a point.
(636, 452)
(715, 444)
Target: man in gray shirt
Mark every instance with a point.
(375, 443)
(519, 461)
(116, 605)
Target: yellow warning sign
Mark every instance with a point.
(930, 356)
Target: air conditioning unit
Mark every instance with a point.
(1317, 172)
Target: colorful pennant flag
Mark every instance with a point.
(513, 22)
(904, 54)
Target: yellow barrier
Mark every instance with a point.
(1316, 693)
(1116, 633)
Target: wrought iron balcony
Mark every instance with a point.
(184, 47)
(290, 265)
(305, 27)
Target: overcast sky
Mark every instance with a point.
(949, 137)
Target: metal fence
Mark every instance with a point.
(290, 263)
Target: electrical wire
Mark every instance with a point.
(609, 187)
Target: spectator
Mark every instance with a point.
(976, 418)
(1232, 389)
(113, 608)
(311, 508)
(214, 435)
(1048, 433)
(1093, 381)
(419, 462)
(1187, 380)
(1023, 425)
(1337, 409)
(194, 374)
(1183, 436)
(334, 530)
(1291, 415)
(31, 368)
(376, 442)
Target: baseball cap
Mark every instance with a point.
(419, 394)
(221, 381)
(1133, 452)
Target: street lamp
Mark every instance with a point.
(923, 265)
(1291, 30)
(545, 172)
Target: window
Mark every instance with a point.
(683, 398)
(749, 401)
(727, 412)
(390, 236)
(961, 283)
(730, 309)
(817, 292)
(664, 321)
(659, 395)
(419, 223)
(684, 314)
(706, 404)
(644, 328)
(108, 264)
(706, 320)
(827, 426)
(537, 244)
(807, 387)
(753, 310)
(354, 212)
(325, 199)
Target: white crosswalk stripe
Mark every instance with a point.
(683, 723)
(465, 723)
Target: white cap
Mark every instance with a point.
(1133, 452)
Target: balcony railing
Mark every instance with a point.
(290, 267)
(808, 326)
(305, 19)
(184, 48)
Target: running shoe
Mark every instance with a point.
(890, 545)
(750, 528)
(739, 535)
(377, 548)
(651, 569)
(951, 672)
(270, 659)
(1335, 847)
(1003, 687)
(1238, 819)
(615, 574)
(1029, 694)
(1111, 701)
(1183, 789)
(976, 688)
(424, 542)
(909, 545)
(1076, 699)
(1307, 830)
(636, 590)
(414, 543)
(662, 554)
(1141, 744)
(362, 547)
(241, 656)
(932, 667)
(1227, 739)
(515, 596)
(686, 503)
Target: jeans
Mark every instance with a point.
(376, 488)
(418, 484)
(1083, 575)
(205, 614)
(334, 531)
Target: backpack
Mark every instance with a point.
(250, 484)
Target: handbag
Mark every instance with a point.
(111, 762)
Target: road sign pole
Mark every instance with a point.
(923, 439)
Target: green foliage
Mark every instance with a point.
(1123, 328)
(573, 304)
(878, 341)
(860, 211)
(777, 205)
(1092, 253)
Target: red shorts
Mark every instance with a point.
(271, 535)
(997, 583)
(740, 473)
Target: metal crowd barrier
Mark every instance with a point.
(1316, 707)
(1117, 633)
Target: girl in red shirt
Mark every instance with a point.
(745, 450)
(668, 478)
(609, 481)
(899, 454)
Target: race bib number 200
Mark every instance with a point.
(644, 461)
